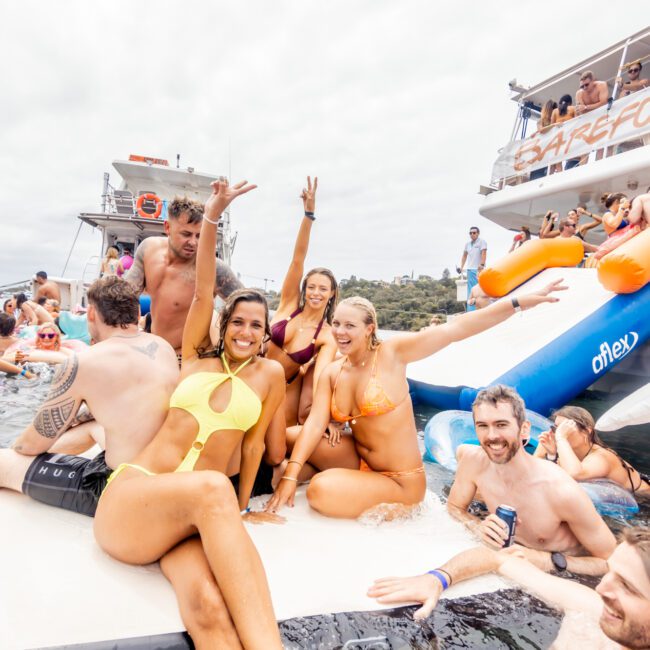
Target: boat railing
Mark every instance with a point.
(612, 129)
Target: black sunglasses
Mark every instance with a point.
(635, 70)
(473, 232)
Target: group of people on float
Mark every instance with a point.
(317, 383)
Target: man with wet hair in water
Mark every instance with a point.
(555, 517)
(124, 380)
(165, 267)
(617, 611)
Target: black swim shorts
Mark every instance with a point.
(70, 482)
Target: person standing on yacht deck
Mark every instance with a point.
(166, 268)
(46, 288)
(592, 95)
(635, 82)
(474, 254)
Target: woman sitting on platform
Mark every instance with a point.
(159, 508)
(377, 459)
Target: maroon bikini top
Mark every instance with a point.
(278, 332)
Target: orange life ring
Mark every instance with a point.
(149, 197)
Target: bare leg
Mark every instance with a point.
(202, 607)
(349, 493)
(13, 467)
(140, 518)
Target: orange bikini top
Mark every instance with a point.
(375, 400)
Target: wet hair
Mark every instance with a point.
(115, 300)
(42, 274)
(565, 102)
(526, 231)
(20, 298)
(564, 223)
(639, 539)
(184, 205)
(7, 324)
(500, 393)
(111, 253)
(41, 301)
(332, 302)
(369, 316)
(547, 112)
(225, 315)
(587, 74)
(608, 200)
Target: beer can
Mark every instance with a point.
(509, 515)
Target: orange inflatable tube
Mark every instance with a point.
(528, 260)
(627, 268)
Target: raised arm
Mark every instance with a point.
(593, 465)
(252, 447)
(56, 415)
(196, 332)
(291, 285)
(418, 345)
(311, 433)
(135, 275)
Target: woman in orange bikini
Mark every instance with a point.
(300, 329)
(367, 390)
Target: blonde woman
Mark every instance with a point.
(111, 264)
(377, 459)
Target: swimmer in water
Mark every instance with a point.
(7, 327)
(158, 508)
(614, 616)
(575, 446)
(376, 459)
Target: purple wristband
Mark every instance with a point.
(443, 580)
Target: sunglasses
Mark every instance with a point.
(571, 225)
(473, 232)
(47, 335)
(634, 70)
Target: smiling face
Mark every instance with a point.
(625, 590)
(498, 431)
(350, 330)
(183, 236)
(47, 338)
(245, 330)
(318, 290)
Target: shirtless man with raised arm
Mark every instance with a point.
(125, 380)
(554, 514)
(166, 268)
(615, 616)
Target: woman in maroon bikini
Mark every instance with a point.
(300, 329)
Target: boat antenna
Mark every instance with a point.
(65, 268)
(178, 160)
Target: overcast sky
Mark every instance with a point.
(399, 107)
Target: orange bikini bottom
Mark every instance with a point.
(364, 467)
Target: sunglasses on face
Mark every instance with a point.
(46, 335)
(473, 232)
(634, 70)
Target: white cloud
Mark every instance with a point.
(399, 108)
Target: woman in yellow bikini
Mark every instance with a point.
(379, 461)
(162, 508)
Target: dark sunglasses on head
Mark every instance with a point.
(46, 335)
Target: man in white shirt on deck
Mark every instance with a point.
(474, 255)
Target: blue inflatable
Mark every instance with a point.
(610, 498)
(74, 326)
(447, 430)
(145, 304)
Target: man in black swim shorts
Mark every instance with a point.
(125, 381)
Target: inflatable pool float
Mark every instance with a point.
(447, 430)
(74, 326)
(634, 409)
(610, 498)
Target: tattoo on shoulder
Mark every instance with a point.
(53, 419)
(227, 281)
(64, 378)
(148, 350)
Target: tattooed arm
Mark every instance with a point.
(56, 415)
(227, 281)
(135, 276)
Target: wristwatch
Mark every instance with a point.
(559, 561)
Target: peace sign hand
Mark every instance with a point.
(223, 195)
(308, 195)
